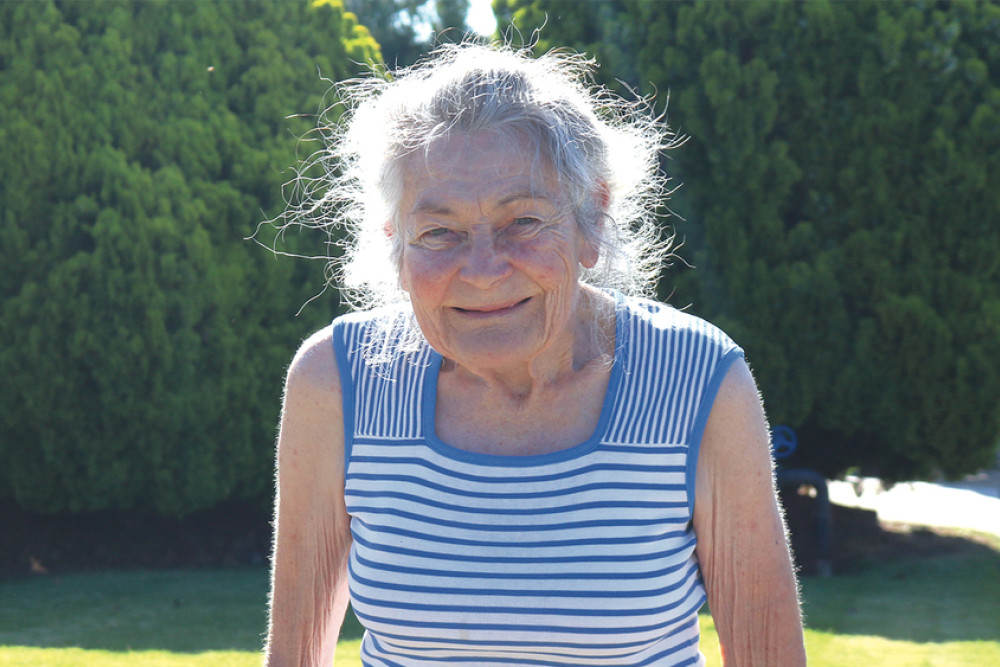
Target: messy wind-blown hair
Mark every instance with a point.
(603, 149)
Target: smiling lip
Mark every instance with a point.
(489, 311)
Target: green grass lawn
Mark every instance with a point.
(932, 611)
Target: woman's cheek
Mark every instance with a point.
(422, 268)
(550, 264)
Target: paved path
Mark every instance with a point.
(973, 503)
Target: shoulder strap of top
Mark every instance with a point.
(675, 365)
(382, 397)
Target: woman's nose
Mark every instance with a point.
(486, 263)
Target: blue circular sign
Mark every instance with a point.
(783, 441)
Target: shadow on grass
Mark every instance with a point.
(942, 598)
(898, 582)
(174, 610)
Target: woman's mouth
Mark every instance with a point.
(492, 310)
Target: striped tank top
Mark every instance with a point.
(584, 556)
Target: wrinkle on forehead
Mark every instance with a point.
(430, 205)
(463, 160)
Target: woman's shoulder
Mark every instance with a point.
(313, 370)
(656, 317)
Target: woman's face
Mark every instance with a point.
(491, 253)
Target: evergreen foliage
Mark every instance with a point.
(407, 29)
(841, 188)
(143, 338)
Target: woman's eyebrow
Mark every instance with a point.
(432, 207)
(521, 195)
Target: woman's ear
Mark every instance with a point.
(387, 228)
(591, 251)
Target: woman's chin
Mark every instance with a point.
(496, 350)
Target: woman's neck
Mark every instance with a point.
(587, 347)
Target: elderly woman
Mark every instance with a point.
(508, 456)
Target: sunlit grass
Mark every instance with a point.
(23, 656)
(826, 649)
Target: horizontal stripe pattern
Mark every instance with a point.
(582, 559)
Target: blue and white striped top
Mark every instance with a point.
(584, 556)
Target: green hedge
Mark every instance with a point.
(143, 337)
(841, 196)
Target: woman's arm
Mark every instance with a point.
(742, 544)
(312, 530)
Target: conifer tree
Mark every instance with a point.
(841, 192)
(143, 337)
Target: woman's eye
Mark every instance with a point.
(525, 226)
(438, 237)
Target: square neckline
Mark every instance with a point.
(429, 412)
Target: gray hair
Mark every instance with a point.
(601, 147)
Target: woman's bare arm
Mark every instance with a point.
(742, 544)
(312, 531)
